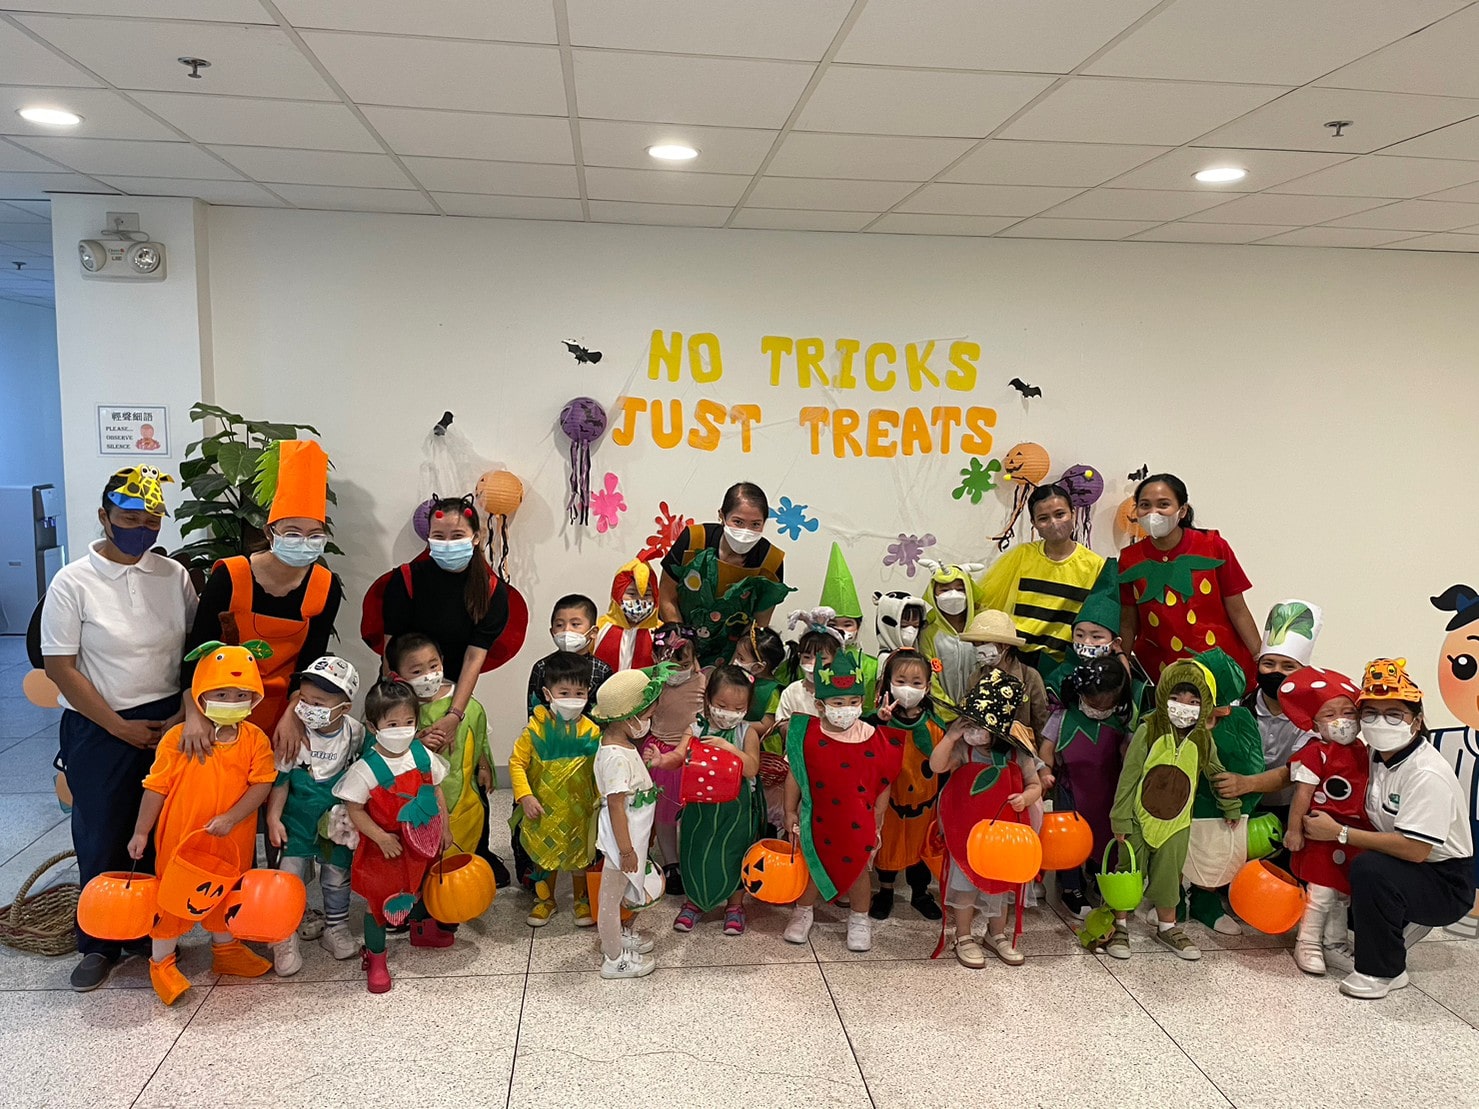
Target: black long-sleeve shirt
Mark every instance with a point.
(437, 608)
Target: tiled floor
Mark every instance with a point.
(517, 1016)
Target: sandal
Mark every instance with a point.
(734, 920)
(687, 917)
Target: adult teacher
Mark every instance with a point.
(1417, 867)
(113, 633)
(720, 578)
(283, 596)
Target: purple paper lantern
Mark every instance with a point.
(421, 518)
(1085, 485)
(583, 421)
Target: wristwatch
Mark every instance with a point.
(1345, 834)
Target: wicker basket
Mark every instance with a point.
(44, 924)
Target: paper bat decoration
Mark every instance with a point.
(1140, 474)
(581, 354)
(1022, 387)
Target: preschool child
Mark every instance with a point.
(623, 710)
(672, 726)
(898, 622)
(841, 770)
(395, 802)
(817, 646)
(951, 596)
(623, 637)
(904, 704)
(572, 627)
(554, 790)
(759, 653)
(1330, 775)
(304, 793)
(219, 792)
(840, 594)
(998, 646)
(988, 754)
(715, 835)
(1153, 803)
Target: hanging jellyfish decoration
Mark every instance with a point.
(1025, 465)
(583, 421)
(500, 493)
(1085, 485)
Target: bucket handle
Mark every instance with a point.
(1108, 847)
(235, 851)
(440, 866)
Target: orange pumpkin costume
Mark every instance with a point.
(911, 797)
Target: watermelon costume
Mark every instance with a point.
(404, 805)
(553, 760)
(713, 839)
(911, 797)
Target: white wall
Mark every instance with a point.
(1319, 403)
(30, 398)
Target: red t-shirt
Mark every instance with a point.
(1182, 596)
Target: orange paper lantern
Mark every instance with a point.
(1127, 527)
(1004, 850)
(1067, 840)
(1028, 462)
(499, 492)
(774, 872)
(459, 888)
(264, 906)
(40, 690)
(1268, 898)
(118, 906)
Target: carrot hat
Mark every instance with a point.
(293, 474)
(221, 667)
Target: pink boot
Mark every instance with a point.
(428, 933)
(377, 974)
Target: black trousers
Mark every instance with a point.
(106, 777)
(1388, 893)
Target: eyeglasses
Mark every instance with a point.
(1391, 716)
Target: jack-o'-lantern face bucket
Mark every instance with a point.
(774, 872)
(197, 879)
(262, 906)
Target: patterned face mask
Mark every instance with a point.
(1183, 715)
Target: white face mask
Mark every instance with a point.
(680, 677)
(636, 611)
(1157, 525)
(1183, 715)
(428, 685)
(568, 708)
(314, 717)
(1342, 730)
(1095, 714)
(952, 603)
(641, 727)
(843, 718)
(569, 641)
(724, 719)
(808, 668)
(396, 740)
(988, 654)
(975, 736)
(906, 695)
(1381, 736)
(741, 539)
(909, 636)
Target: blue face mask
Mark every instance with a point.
(299, 550)
(451, 555)
(134, 542)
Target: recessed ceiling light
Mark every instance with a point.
(673, 152)
(1220, 175)
(52, 117)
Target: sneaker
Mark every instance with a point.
(1368, 987)
(1465, 927)
(968, 953)
(91, 972)
(1179, 942)
(1413, 934)
(1006, 950)
(539, 915)
(1118, 946)
(640, 942)
(583, 917)
(925, 905)
(799, 928)
(1309, 957)
(734, 920)
(1076, 903)
(287, 960)
(687, 917)
(629, 965)
(313, 925)
(338, 942)
(1226, 925)
(859, 932)
(1339, 959)
(883, 903)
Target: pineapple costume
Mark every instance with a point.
(465, 810)
(553, 760)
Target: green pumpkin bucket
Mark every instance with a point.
(1121, 889)
(1265, 835)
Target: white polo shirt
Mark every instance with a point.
(1420, 797)
(1282, 740)
(125, 624)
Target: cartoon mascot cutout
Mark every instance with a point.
(1458, 681)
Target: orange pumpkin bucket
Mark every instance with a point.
(1067, 840)
(458, 888)
(1268, 898)
(196, 879)
(118, 905)
(263, 906)
(774, 872)
(1005, 851)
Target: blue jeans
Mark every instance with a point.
(333, 881)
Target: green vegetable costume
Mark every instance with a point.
(1102, 607)
(840, 594)
(306, 813)
(713, 838)
(720, 618)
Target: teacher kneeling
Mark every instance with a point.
(1416, 868)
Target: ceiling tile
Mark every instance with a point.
(1142, 204)
(1458, 140)
(1037, 36)
(141, 54)
(1389, 177)
(27, 62)
(664, 187)
(1437, 61)
(1336, 236)
(754, 29)
(1297, 121)
(428, 133)
(985, 200)
(105, 114)
(869, 157)
(1265, 168)
(1208, 233)
(915, 102)
(33, 209)
(1288, 43)
(355, 200)
(212, 192)
(216, 11)
(1290, 211)
(509, 207)
(506, 20)
(668, 215)
(725, 92)
(440, 73)
(1466, 243)
(1005, 162)
(460, 175)
(137, 159)
(624, 144)
(17, 159)
(1415, 215)
(1464, 194)
(1162, 113)
(1075, 229)
(315, 167)
(776, 219)
(27, 231)
(831, 195)
(236, 121)
(35, 186)
(909, 223)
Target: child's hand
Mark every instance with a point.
(1231, 821)
(533, 810)
(1294, 837)
(390, 846)
(1120, 837)
(220, 825)
(1018, 801)
(485, 776)
(885, 709)
(1046, 778)
(441, 734)
(277, 834)
(628, 861)
(138, 845)
(793, 828)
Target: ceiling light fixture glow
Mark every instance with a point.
(1220, 175)
(672, 152)
(51, 117)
